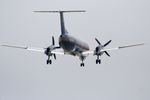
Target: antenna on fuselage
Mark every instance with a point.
(62, 24)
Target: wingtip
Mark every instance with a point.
(141, 44)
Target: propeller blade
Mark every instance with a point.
(107, 53)
(97, 41)
(107, 43)
(53, 41)
(55, 56)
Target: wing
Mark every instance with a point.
(25, 48)
(123, 47)
(111, 49)
(58, 52)
(42, 50)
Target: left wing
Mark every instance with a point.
(122, 47)
(111, 49)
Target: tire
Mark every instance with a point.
(47, 62)
(50, 61)
(82, 64)
(99, 61)
(96, 61)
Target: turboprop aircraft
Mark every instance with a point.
(70, 45)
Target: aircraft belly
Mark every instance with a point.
(72, 46)
(67, 46)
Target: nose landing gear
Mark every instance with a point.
(82, 58)
(82, 64)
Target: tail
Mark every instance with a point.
(62, 24)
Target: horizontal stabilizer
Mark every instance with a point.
(66, 11)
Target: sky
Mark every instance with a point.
(125, 75)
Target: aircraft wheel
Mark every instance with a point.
(50, 61)
(99, 61)
(47, 61)
(82, 65)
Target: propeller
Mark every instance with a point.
(107, 53)
(107, 43)
(97, 41)
(100, 47)
(51, 48)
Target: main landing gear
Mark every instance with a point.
(49, 61)
(98, 61)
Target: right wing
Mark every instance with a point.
(25, 48)
(42, 50)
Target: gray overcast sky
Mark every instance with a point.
(124, 76)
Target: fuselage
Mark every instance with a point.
(72, 46)
(68, 43)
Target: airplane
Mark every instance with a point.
(70, 45)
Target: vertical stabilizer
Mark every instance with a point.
(62, 24)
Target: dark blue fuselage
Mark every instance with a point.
(72, 45)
